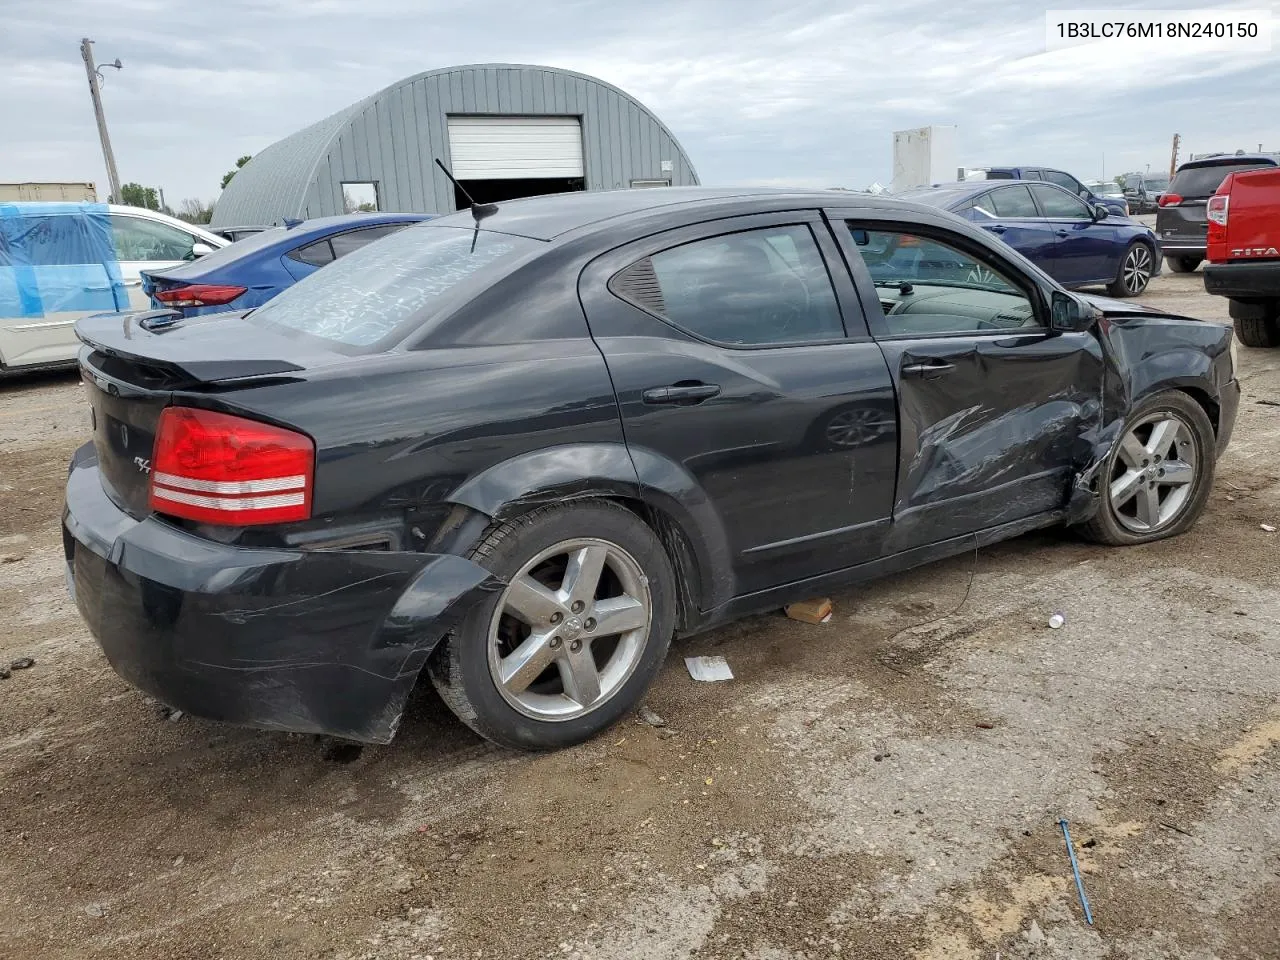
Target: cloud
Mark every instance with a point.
(799, 93)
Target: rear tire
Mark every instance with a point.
(534, 667)
(1183, 264)
(1156, 481)
(1136, 267)
(1258, 331)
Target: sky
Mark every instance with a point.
(784, 92)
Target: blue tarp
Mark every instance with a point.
(58, 257)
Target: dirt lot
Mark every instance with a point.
(878, 787)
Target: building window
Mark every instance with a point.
(359, 197)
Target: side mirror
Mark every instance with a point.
(1068, 314)
(1100, 212)
(199, 249)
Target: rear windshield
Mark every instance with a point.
(366, 296)
(232, 252)
(1204, 181)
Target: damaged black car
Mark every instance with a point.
(517, 453)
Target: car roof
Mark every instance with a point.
(1221, 158)
(552, 216)
(318, 227)
(940, 194)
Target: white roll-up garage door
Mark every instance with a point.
(515, 148)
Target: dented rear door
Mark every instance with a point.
(993, 408)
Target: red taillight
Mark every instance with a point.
(217, 468)
(1169, 200)
(1216, 211)
(199, 295)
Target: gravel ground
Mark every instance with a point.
(887, 785)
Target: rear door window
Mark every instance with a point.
(317, 254)
(1014, 201)
(753, 288)
(1202, 182)
(383, 290)
(344, 243)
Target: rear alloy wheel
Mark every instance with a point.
(572, 641)
(1135, 271)
(1183, 264)
(1158, 477)
(1258, 331)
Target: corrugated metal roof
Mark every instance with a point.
(393, 136)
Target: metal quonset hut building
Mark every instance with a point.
(504, 130)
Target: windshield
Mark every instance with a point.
(1156, 184)
(368, 295)
(1204, 181)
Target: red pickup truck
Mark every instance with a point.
(1244, 253)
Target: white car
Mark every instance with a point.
(63, 261)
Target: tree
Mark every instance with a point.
(349, 204)
(195, 211)
(226, 178)
(136, 195)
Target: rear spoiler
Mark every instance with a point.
(208, 349)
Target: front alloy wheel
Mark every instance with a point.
(1157, 478)
(1152, 475)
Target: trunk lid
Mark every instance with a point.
(1253, 218)
(134, 366)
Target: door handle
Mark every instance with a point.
(931, 370)
(997, 228)
(1062, 233)
(684, 394)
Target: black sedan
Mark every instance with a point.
(521, 452)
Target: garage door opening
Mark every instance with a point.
(495, 191)
(505, 158)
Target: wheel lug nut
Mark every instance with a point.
(578, 606)
(555, 643)
(575, 646)
(557, 617)
(590, 624)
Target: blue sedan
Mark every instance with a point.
(1074, 243)
(251, 271)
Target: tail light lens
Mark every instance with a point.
(1217, 209)
(199, 295)
(217, 468)
(1169, 200)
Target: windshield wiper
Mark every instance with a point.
(902, 286)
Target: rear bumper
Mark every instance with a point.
(1173, 247)
(1244, 280)
(309, 641)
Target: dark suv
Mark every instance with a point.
(1116, 206)
(1181, 220)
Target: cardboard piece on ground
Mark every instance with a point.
(810, 611)
(708, 669)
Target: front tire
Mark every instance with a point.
(1183, 264)
(1258, 331)
(1156, 481)
(574, 638)
(1136, 267)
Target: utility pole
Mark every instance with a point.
(1173, 157)
(95, 91)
